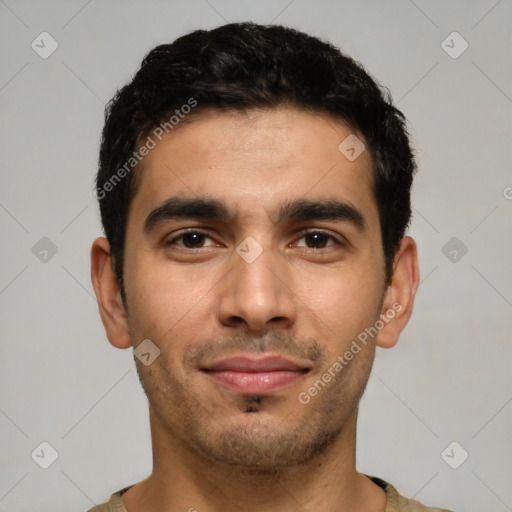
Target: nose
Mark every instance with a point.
(257, 296)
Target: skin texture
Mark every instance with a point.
(305, 297)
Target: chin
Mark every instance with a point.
(262, 442)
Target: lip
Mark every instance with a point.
(247, 374)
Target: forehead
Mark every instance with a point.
(256, 161)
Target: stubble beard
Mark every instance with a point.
(262, 442)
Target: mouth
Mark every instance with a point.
(249, 375)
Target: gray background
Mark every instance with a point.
(447, 380)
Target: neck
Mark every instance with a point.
(184, 480)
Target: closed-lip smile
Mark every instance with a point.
(248, 374)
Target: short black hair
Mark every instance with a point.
(242, 66)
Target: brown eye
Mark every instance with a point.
(319, 240)
(189, 240)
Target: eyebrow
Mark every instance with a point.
(205, 208)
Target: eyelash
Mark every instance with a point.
(337, 241)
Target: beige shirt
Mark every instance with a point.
(395, 502)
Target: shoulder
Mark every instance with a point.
(114, 504)
(398, 503)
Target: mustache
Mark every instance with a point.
(285, 344)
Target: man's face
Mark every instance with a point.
(251, 305)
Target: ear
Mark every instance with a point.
(399, 297)
(108, 294)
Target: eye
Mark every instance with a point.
(189, 240)
(319, 240)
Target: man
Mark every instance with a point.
(254, 187)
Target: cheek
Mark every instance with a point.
(167, 300)
(340, 304)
